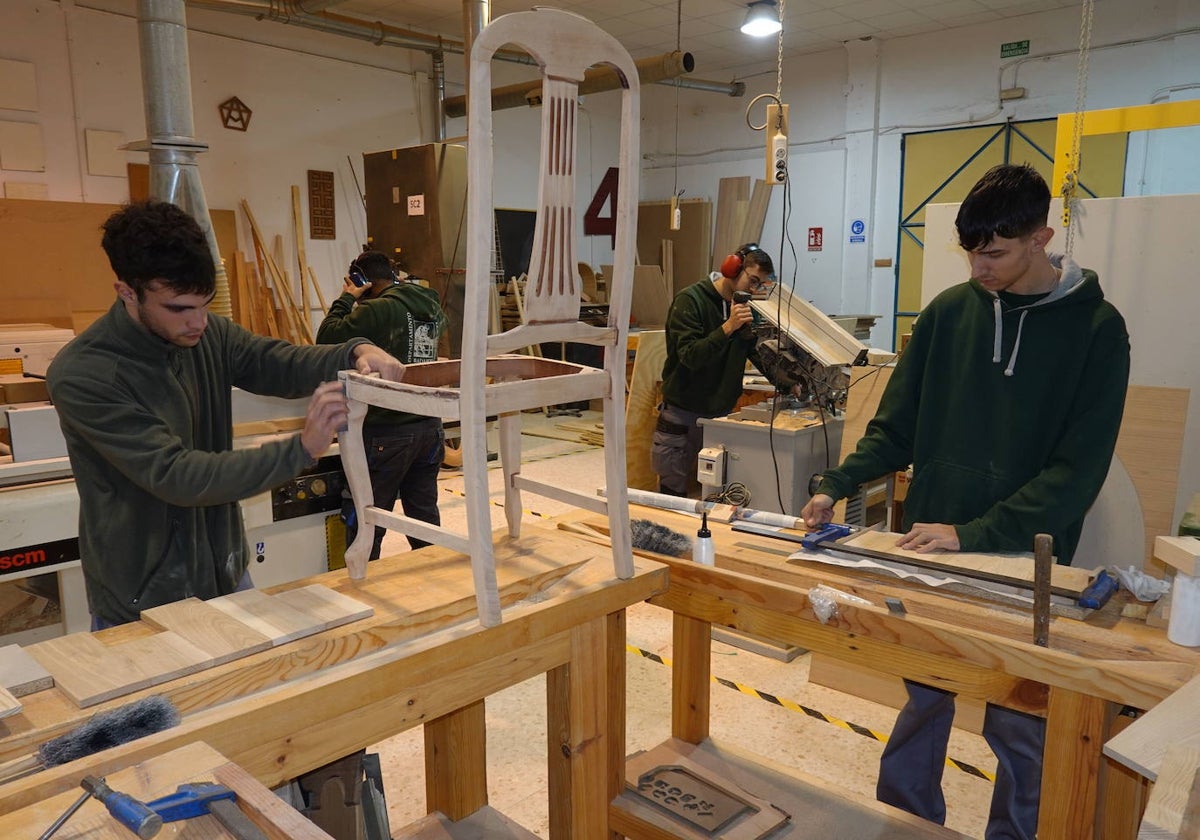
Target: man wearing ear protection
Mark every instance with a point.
(143, 397)
(404, 451)
(707, 349)
(1007, 402)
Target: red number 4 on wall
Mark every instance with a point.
(595, 224)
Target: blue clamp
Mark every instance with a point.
(830, 532)
(1099, 591)
(190, 800)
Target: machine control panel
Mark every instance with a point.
(316, 490)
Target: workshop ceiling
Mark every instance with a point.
(710, 29)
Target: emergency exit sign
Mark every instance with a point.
(1014, 48)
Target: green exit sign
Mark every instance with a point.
(1014, 48)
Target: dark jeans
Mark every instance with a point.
(403, 461)
(910, 770)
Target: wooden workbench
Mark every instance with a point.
(977, 649)
(422, 659)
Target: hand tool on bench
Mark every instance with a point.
(199, 798)
(1099, 591)
(1043, 561)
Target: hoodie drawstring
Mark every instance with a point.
(1012, 361)
(999, 331)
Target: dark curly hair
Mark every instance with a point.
(1010, 201)
(375, 266)
(155, 241)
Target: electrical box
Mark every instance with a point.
(710, 466)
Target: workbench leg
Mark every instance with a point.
(615, 651)
(1123, 792)
(1075, 725)
(456, 762)
(576, 729)
(690, 678)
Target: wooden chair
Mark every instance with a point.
(489, 379)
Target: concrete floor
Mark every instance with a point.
(823, 746)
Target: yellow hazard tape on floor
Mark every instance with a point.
(793, 706)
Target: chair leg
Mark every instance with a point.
(354, 463)
(510, 463)
(616, 483)
(479, 518)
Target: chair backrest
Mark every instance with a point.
(564, 45)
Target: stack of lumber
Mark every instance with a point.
(590, 433)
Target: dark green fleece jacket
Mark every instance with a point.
(149, 431)
(406, 320)
(1008, 409)
(703, 371)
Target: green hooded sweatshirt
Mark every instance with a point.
(405, 319)
(149, 431)
(1008, 409)
(704, 367)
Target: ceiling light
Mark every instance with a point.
(762, 19)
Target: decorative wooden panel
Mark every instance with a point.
(322, 223)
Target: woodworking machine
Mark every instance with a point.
(41, 583)
(804, 350)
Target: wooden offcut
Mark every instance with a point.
(202, 634)
(641, 409)
(20, 673)
(1174, 721)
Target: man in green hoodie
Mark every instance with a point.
(404, 451)
(143, 397)
(1007, 402)
(708, 343)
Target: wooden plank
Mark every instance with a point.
(1017, 568)
(693, 240)
(325, 606)
(1175, 797)
(1182, 553)
(214, 631)
(1123, 793)
(651, 296)
(9, 705)
(1176, 720)
(266, 614)
(90, 672)
(641, 409)
(729, 192)
(20, 673)
(1150, 445)
(301, 260)
(756, 212)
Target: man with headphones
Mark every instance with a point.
(708, 343)
(143, 397)
(404, 451)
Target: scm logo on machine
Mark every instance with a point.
(33, 556)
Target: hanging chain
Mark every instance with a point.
(678, 41)
(1071, 180)
(779, 60)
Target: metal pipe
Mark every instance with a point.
(653, 69)
(476, 15)
(167, 93)
(439, 95)
(382, 34)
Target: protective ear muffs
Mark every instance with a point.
(359, 278)
(356, 275)
(733, 264)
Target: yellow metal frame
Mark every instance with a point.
(1113, 121)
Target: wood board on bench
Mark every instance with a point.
(196, 635)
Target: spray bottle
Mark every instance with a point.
(702, 549)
